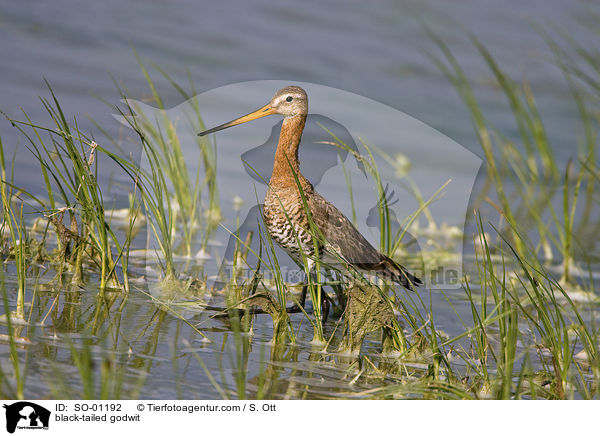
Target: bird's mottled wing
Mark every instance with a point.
(344, 239)
(341, 235)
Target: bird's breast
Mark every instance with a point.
(287, 221)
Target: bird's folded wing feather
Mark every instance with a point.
(340, 234)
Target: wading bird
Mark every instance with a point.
(290, 195)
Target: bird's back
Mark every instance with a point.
(341, 240)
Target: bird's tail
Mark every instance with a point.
(399, 274)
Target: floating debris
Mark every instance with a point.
(202, 254)
(238, 203)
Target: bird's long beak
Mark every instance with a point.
(262, 112)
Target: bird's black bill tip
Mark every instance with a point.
(216, 129)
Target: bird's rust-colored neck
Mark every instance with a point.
(286, 157)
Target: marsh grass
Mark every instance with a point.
(12, 385)
(12, 221)
(524, 336)
(172, 197)
(69, 168)
(519, 343)
(534, 173)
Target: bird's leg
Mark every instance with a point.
(302, 301)
(295, 308)
(303, 295)
(324, 297)
(325, 307)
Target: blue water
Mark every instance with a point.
(373, 50)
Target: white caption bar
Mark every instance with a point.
(297, 417)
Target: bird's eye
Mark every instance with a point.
(289, 99)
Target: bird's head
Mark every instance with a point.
(290, 101)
